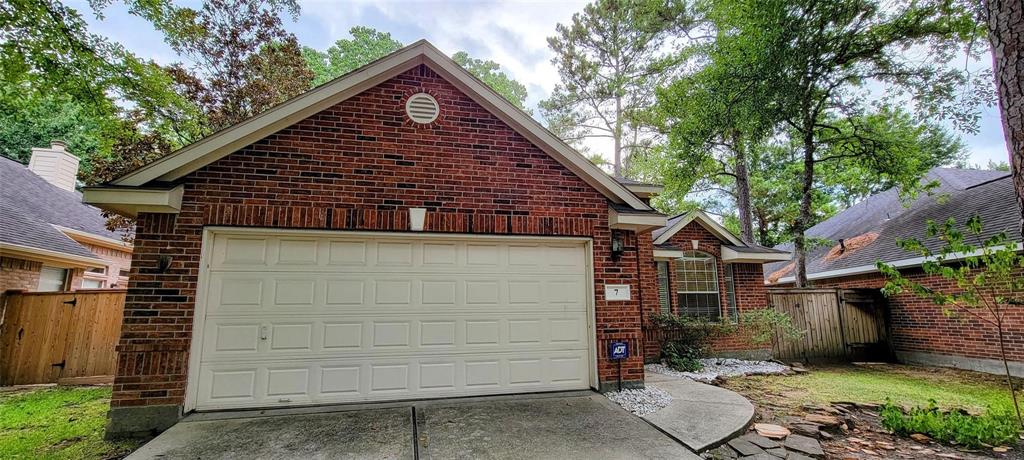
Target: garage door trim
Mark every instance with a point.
(199, 315)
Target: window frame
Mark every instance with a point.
(682, 287)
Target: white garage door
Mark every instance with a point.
(311, 318)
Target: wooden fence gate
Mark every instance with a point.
(839, 324)
(59, 337)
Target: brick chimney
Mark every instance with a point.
(55, 164)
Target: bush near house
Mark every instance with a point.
(996, 427)
(687, 339)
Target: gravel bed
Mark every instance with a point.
(641, 401)
(726, 367)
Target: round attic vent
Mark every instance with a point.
(422, 108)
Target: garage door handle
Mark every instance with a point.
(263, 332)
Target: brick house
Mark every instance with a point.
(49, 239)
(400, 232)
(867, 232)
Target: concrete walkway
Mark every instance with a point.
(700, 416)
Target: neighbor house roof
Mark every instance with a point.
(173, 167)
(37, 217)
(874, 225)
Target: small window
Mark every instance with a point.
(98, 270)
(123, 273)
(52, 279)
(697, 285)
(663, 288)
(730, 292)
(92, 284)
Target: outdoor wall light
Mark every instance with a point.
(163, 264)
(618, 247)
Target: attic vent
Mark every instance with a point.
(422, 108)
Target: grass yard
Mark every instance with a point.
(57, 423)
(904, 385)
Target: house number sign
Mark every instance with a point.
(616, 292)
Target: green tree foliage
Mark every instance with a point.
(345, 55)
(611, 57)
(768, 326)
(984, 274)
(490, 73)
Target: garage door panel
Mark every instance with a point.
(292, 319)
(297, 382)
(233, 293)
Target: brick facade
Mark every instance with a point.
(118, 261)
(359, 166)
(920, 326)
(749, 288)
(19, 274)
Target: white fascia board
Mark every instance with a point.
(730, 255)
(635, 222)
(46, 256)
(131, 201)
(900, 264)
(220, 144)
(705, 221)
(99, 240)
(668, 254)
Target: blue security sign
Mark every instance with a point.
(618, 350)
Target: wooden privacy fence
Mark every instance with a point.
(840, 324)
(59, 337)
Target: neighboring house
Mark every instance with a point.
(868, 232)
(49, 239)
(706, 271)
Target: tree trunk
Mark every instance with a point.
(617, 167)
(743, 191)
(1005, 20)
(1006, 367)
(803, 221)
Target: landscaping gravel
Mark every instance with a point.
(725, 367)
(641, 401)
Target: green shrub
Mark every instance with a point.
(769, 326)
(994, 428)
(688, 340)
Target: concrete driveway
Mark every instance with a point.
(552, 426)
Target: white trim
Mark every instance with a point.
(86, 237)
(862, 269)
(131, 201)
(667, 254)
(705, 221)
(730, 255)
(202, 288)
(211, 148)
(55, 258)
(635, 222)
(645, 190)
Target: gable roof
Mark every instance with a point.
(222, 143)
(675, 224)
(961, 193)
(32, 209)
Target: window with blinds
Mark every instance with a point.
(663, 288)
(697, 285)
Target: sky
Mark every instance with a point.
(513, 34)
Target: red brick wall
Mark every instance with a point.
(359, 166)
(19, 274)
(749, 287)
(918, 325)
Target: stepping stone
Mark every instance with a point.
(723, 453)
(805, 445)
(759, 441)
(745, 448)
(771, 431)
(778, 452)
(806, 429)
(761, 456)
(821, 419)
(797, 456)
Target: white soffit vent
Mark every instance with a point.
(422, 108)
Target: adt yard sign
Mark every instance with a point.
(618, 350)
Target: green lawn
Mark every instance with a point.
(57, 423)
(904, 385)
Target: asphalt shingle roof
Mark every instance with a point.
(30, 207)
(961, 194)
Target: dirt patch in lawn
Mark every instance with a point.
(839, 404)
